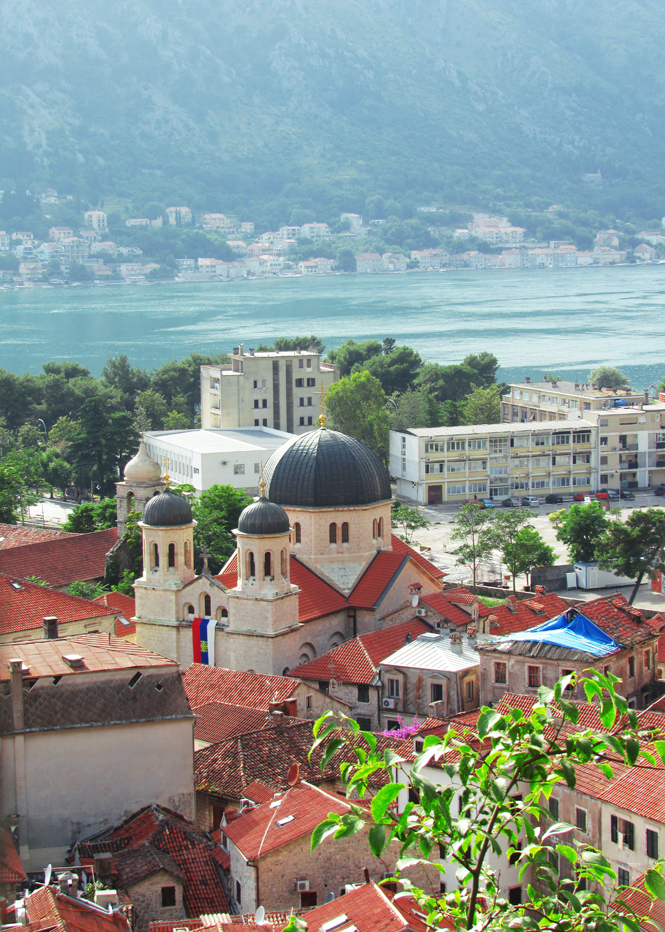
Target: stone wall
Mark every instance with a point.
(146, 898)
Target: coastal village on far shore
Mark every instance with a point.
(87, 255)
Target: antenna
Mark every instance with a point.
(260, 915)
(47, 875)
(330, 897)
(293, 775)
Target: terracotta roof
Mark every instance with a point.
(367, 908)
(615, 616)
(17, 535)
(11, 868)
(637, 898)
(155, 835)
(357, 660)
(268, 827)
(316, 597)
(124, 604)
(444, 606)
(204, 684)
(23, 606)
(61, 561)
(377, 577)
(258, 792)
(401, 546)
(98, 652)
(216, 721)
(70, 915)
(528, 613)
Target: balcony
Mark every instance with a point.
(630, 467)
(627, 447)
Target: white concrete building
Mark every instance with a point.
(271, 389)
(95, 220)
(210, 457)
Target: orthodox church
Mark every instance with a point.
(315, 563)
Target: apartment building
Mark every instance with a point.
(436, 465)
(96, 220)
(560, 401)
(631, 446)
(281, 390)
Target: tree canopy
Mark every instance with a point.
(608, 377)
(634, 547)
(581, 528)
(357, 406)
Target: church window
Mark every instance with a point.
(283, 563)
(188, 556)
(189, 609)
(345, 532)
(155, 557)
(207, 606)
(298, 532)
(171, 555)
(267, 565)
(332, 533)
(380, 528)
(225, 613)
(251, 568)
(374, 529)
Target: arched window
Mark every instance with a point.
(381, 528)
(345, 532)
(267, 565)
(225, 613)
(298, 532)
(189, 610)
(283, 563)
(155, 557)
(251, 569)
(285, 671)
(374, 529)
(207, 605)
(171, 555)
(188, 556)
(332, 533)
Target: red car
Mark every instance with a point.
(660, 491)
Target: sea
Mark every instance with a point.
(564, 321)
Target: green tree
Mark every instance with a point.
(531, 550)
(447, 383)
(103, 442)
(346, 261)
(85, 589)
(62, 434)
(357, 407)
(57, 473)
(506, 529)
(352, 354)
(29, 436)
(395, 370)
(490, 800)
(556, 517)
(414, 409)
(635, 547)
(216, 512)
(125, 379)
(608, 377)
(155, 407)
(408, 519)
(174, 420)
(485, 366)
(91, 516)
(11, 486)
(580, 529)
(473, 527)
(482, 406)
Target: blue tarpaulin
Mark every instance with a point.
(578, 634)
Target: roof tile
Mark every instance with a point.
(24, 605)
(204, 684)
(63, 560)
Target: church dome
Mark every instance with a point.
(143, 468)
(326, 469)
(167, 510)
(263, 517)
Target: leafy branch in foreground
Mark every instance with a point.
(499, 778)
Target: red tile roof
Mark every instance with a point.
(17, 535)
(357, 660)
(268, 827)
(11, 868)
(615, 616)
(528, 613)
(367, 908)
(316, 598)
(377, 577)
(637, 898)
(400, 546)
(168, 835)
(217, 721)
(258, 792)
(24, 605)
(62, 561)
(443, 605)
(204, 684)
(124, 604)
(56, 911)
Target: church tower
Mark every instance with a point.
(143, 479)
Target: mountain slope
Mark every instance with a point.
(302, 101)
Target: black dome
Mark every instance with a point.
(263, 517)
(167, 510)
(325, 469)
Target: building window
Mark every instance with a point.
(533, 677)
(469, 690)
(647, 659)
(374, 529)
(300, 363)
(267, 565)
(309, 421)
(365, 724)
(561, 440)
(436, 692)
(345, 532)
(239, 469)
(311, 383)
(363, 693)
(256, 402)
(513, 859)
(580, 819)
(308, 702)
(631, 667)
(300, 383)
(302, 421)
(265, 421)
(623, 877)
(251, 568)
(582, 437)
(238, 893)
(554, 808)
(625, 829)
(256, 383)
(515, 896)
(168, 896)
(500, 673)
(297, 530)
(172, 555)
(256, 422)
(309, 363)
(309, 401)
(283, 563)
(652, 844)
(264, 403)
(393, 689)
(301, 402)
(155, 557)
(332, 533)
(207, 606)
(456, 446)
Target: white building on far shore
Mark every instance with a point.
(214, 456)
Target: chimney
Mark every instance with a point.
(475, 609)
(511, 603)
(102, 867)
(50, 627)
(471, 635)
(456, 643)
(527, 379)
(16, 669)
(241, 349)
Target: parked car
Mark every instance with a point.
(486, 503)
(580, 496)
(613, 494)
(508, 503)
(603, 496)
(498, 583)
(660, 490)
(627, 494)
(529, 501)
(554, 500)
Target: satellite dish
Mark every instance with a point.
(415, 598)
(293, 775)
(260, 915)
(330, 897)
(47, 875)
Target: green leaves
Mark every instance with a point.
(655, 884)
(568, 772)
(386, 795)
(377, 839)
(487, 720)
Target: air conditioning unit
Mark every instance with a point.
(302, 886)
(388, 703)
(421, 612)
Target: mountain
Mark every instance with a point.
(264, 105)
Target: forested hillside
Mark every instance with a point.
(266, 105)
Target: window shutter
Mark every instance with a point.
(614, 828)
(629, 835)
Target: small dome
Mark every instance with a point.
(263, 517)
(143, 468)
(167, 510)
(326, 469)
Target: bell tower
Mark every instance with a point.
(143, 480)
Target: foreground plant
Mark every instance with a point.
(502, 776)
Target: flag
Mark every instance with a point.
(203, 639)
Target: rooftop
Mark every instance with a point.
(434, 651)
(64, 560)
(204, 684)
(215, 440)
(47, 909)
(17, 535)
(483, 430)
(575, 388)
(216, 721)
(24, 605)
